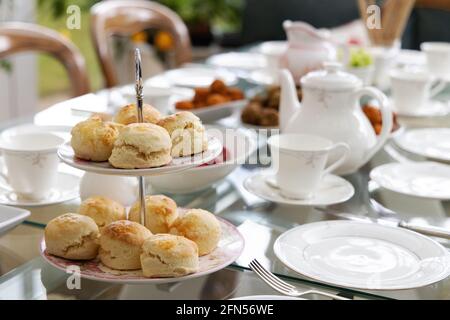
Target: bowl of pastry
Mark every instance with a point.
(125, 147)
(238, 145)
(109, 245)
(214, 102)
(262, 111)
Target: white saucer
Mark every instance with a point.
(333, 189)
(433, 109)
(67, 188)
(363, 255)
(264, 77)
(432, 143)
(429, 180)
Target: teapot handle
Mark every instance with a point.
(386, 114)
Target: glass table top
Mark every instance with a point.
(27, 276)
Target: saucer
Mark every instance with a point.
(66, 189)
(432, 143)
(264, 77)
(429, 180)
(433, 109)
(332, 190)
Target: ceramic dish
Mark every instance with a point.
(238, 60)
(238, 144)
(66, 189)
(11, 217)
(194, 77)
(429, 180)
(432, 143)
(332, 190)
(363, 256)
(66, 154)
(433, 109)
(229, 249)
(213, 113)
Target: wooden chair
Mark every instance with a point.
(129, 17)
(17, 37)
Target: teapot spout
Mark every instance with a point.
(289, 103)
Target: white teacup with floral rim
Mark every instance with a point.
(301, 162)
(31, 163)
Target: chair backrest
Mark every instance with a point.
(17, 37)
(130, 17)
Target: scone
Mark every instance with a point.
(141, 145)
(103, 210)
(72, 236)
(121, 244)
(128, 114)
(200, 226)
(160, 212)
(187, 133)
(93, 139)
(166, 255)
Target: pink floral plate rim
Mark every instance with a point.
(215, 147)
(230, 247)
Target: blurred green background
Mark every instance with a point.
(52, 75)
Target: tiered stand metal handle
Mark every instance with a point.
(139, 105)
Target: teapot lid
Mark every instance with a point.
(331, 78)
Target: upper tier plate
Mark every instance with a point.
(66, 154)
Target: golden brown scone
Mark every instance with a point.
(128, 114)
(103, 210)
(166, 255)
(141, 145)
(72, 236)
(187, 133)
(93, 139)
(160, 212)
(200, 226)
(121, 244)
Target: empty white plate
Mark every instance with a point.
(11, 217)
(433, 108)
(332, 190)
(364, 256)
(433, 143)
(199, 77)
(419, 179)
(238, 60)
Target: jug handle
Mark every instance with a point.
(386, 114)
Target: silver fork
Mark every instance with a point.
(283, 287)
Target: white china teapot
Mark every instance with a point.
(330, 108)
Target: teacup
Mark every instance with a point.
(413, 88)
(273, 51)
(301, 161)
(384, 59)
(31, 163)
(438, 58)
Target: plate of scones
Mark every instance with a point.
(122, 146)
(109, 245)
